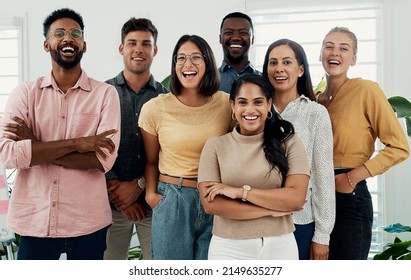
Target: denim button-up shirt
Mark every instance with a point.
(229, 75)
(131, 159)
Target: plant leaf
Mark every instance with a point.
(322, 85)
(400, 105)
(166, 82)
(397, 228)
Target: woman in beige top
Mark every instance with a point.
(253, 178)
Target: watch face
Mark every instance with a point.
(142, 183)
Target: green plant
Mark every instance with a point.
(398, 250)
(402, 107)
(166, 82)
(135, 253)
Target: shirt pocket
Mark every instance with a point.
(84, 124)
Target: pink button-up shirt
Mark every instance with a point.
(49, 200)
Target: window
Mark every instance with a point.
(11, 50)
(307, 22)
(11, 61)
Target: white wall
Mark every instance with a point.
(104, 19)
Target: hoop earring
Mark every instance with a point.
(233, 116)
(269, 115)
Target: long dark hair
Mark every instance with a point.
(276, 130)
(304, 84)
(211, 80)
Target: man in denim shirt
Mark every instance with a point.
(125, 182)
(236, 37)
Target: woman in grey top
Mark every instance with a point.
(286, 67)
(253, 178)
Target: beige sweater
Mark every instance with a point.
(237, 160)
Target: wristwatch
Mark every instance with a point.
(246, 189)
(142, 183)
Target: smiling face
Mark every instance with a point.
(66, 52)
(236, 37)
(283, 69)
(251, 107)
(337, 53)
(189, 74)
(138, 51)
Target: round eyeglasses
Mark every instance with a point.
(61, 33)
(195, 58)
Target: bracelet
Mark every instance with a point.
(349, 180)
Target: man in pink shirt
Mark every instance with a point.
(61, 133)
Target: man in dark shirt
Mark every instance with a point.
(236, 37)
(125, 183)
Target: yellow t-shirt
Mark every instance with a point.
(183, 130)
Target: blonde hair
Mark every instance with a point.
(346, 31)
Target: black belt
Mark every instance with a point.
(342, 170)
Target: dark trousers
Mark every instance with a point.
(86, 247)
(351, 236)
(304, 235)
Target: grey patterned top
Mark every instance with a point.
(312, 123)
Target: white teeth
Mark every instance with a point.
(69, 49)
(235, 46)
(138, 58)
(189, 73)
(280, 78)
(250, 118)
(334, 62)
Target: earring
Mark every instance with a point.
(300, 75)
(233, 116)
(269, 115)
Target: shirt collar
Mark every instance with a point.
(83, 82)
(121, 81)
(224, 67)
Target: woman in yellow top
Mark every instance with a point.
(359, 113)
(175, 127)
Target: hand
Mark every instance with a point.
(215, 188)
(153, 199)
(135, 212)
(96, 143)
(123, 194)
(318, 251)
(341, 184)
(18, 131)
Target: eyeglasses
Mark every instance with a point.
(195, 58)
(61, 33)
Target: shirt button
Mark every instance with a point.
(53, 204)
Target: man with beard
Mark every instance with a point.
(61, 133)
(236, 37)
(125, 183)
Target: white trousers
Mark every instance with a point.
(283, 247)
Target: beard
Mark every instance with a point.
(66, 64)
(235, 59)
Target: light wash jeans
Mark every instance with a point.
(181, 230)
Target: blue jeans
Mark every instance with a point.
(351, 236)
(304, 235)
(180, 230)
(86, 247)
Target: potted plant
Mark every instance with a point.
(398, 250)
